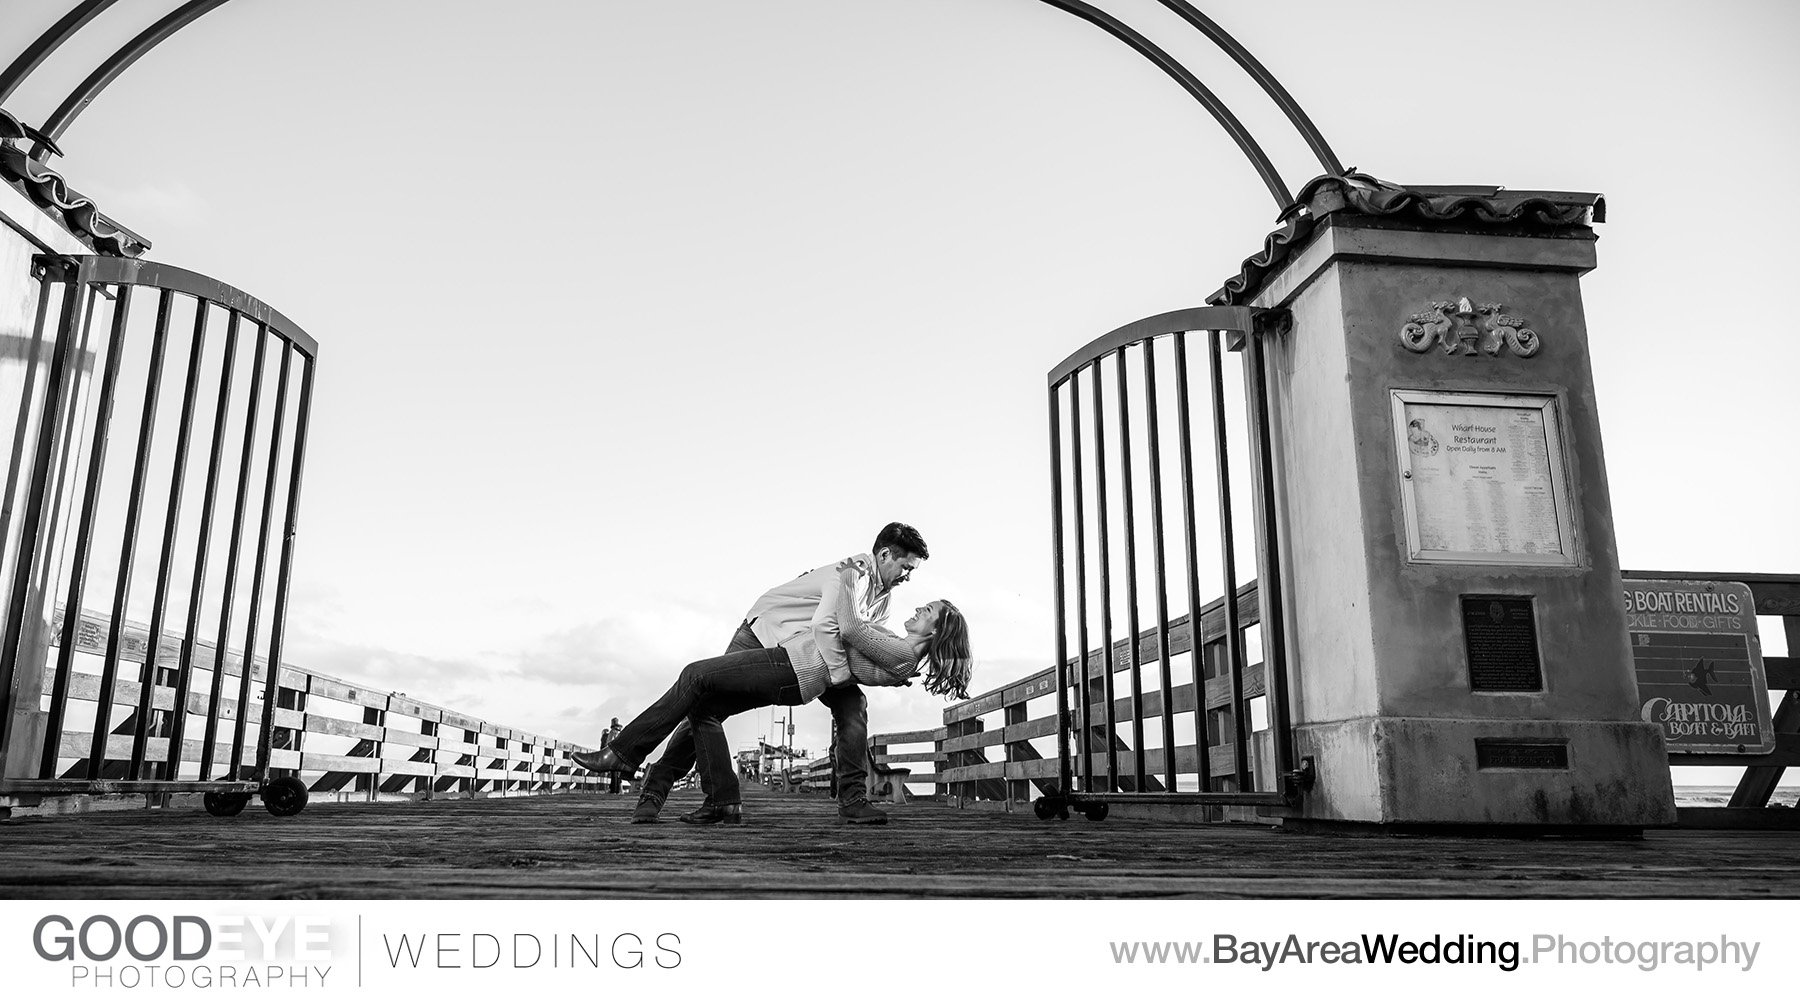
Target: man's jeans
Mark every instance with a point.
(849, 706)
(707, 692)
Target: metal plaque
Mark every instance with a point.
(1482, 478)
(1520, 754)
(1699, 665)
(1500, 636)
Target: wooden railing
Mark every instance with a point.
(959, 749)
(342, 738)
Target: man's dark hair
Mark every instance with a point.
(903, 538)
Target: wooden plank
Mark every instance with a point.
(346, 693)
(1218, 689)
(1039, 685)
(391, 735)
(910, 736)
(325, 725)
(336, 762)
(907, 758)
(1032, 770)
(974, 707)
(76, 746)
(414, 708)
(975, 772)
(1783, 671)
(975, 741)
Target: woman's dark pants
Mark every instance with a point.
(707, 692)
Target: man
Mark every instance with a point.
(780, 614)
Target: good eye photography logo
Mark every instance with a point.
(175, 951)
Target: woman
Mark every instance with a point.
(794, 673)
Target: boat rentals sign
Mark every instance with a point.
(1699, 665)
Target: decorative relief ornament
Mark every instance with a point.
(1463, 327)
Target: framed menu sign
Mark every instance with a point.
(1482, 478)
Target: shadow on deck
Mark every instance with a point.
(791, 846)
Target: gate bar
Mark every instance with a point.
(1056, 562)
(233, 561)
(1162, 570)
(1234, 638)
(134, 510)
(1197, 651)
(284, 571)
(56, 386)
(272, 670)
(1106, 639)
(84, 535)
(202, 552)
(166, 561)
(1131, 594)
(1269, 552)
(1081, 623)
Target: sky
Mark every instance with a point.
(630, 310)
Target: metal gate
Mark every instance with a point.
(1116, 397)
(149, 456)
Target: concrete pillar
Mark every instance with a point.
(1435, 537)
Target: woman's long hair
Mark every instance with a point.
(950, 666)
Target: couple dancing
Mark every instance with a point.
(817, 636)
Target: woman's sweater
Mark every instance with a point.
(876, 656)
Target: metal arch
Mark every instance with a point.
(84, 95)
(49, 42)
(1265, 79)
(108, 71)
(1189, 82)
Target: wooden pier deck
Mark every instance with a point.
(791, 847)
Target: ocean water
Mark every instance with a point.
(1718, 795)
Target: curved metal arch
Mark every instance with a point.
(84, 95)
(49, 42)
(1265, 79)
(1189, 82)
(108, 71)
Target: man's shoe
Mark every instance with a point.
(649, 806)
(861, 814)
(730, 815)
(602, 761)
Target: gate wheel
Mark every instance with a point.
(1095, 812)
(1047, 806)
(285, 796)
(225, 803)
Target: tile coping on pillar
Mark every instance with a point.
(1466, 209)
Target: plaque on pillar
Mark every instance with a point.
(1500, 637)
(1482, 479)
